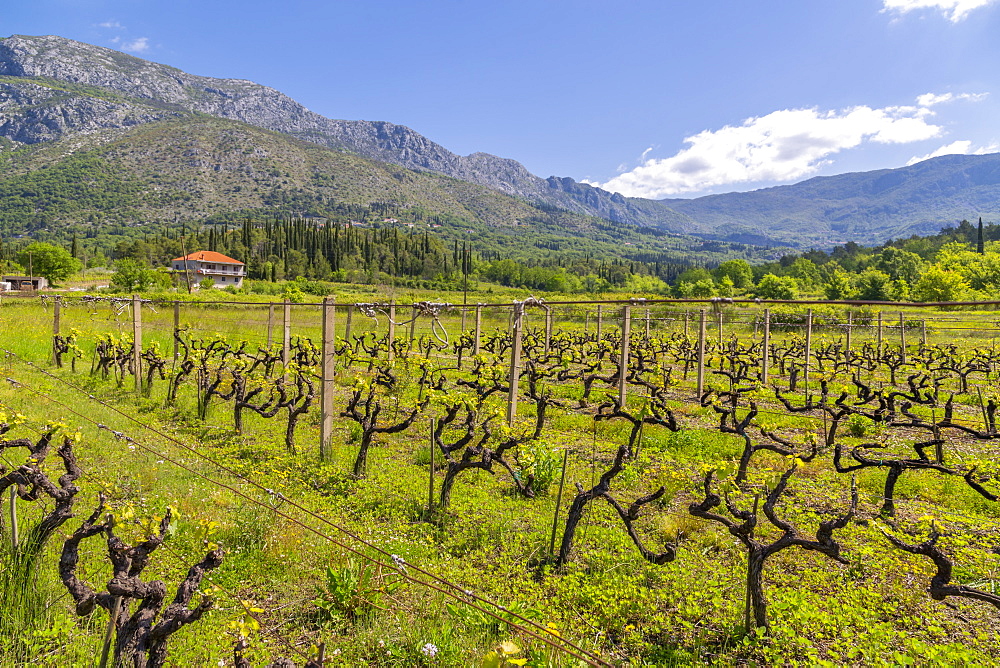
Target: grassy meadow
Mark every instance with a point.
(372, 569)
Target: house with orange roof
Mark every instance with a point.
(199, 265)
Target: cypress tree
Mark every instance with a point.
(980, 241)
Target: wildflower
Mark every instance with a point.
(429, 650)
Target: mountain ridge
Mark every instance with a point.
(916, 199)
(53, 88)
(53, 57)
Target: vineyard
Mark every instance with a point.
(545, 484)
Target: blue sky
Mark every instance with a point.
(662, 98)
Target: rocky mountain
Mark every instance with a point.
(47, 86)
(109, 186)
(53, 88)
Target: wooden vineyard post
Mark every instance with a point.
(515, 365)
(647, 324)
(548, 330)
(286, 336)
(270, 324)
(809, 340)
(600, 321)
(686, 318)
(479, 326)
(718, 319)
(923, 333)
(879, 339)
(766, 352)
(586, 322)
(902, 338)
(701, 354)
(137, 342)
(392, 329)
(413, 328)
(623, 360)
(327, 389)
(56, 307)
(177, 329)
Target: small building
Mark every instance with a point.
(26, 283)
(224, 271)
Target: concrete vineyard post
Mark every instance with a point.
(850, 332)
(749, 597)
(413, 328)
(809, 340)
(392, 329)
(327, 388)
(55, 325)
(766, 352)
(14, 538)
(548, 331)
(177, 329)
(600, 321)
(116, 605)
(270, 324)
(902, 338)
(137, 341)
(701, 353)
(430, 476)
(479, 326)
(350, 322)
(623, 359)
(555, 514)
(286, 336)
(515, 367)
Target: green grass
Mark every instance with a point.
(871, 612)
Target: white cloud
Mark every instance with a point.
(960, 147)
(931, 99)
(782, 146)
(139, 45)
(113, 25)
(955, 10)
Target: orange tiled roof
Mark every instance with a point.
(207, 256)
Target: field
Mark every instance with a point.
(780, 486)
